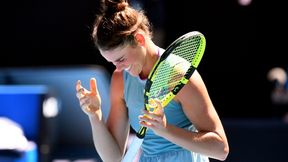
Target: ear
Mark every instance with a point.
(140, 39)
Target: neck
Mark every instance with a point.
(152, 55)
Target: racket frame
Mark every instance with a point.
(184, 80)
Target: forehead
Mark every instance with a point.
(114, 54)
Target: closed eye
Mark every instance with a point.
(122, 59)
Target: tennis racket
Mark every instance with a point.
(168, 76)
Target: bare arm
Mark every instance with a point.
(117, 122)
(109, 139)
(210, 140)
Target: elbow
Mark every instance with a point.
(224, 153)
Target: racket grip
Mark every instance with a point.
(141, 133)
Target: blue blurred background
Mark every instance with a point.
(47, 43)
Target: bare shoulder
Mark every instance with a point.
(117, 83)
(118, 119)
(194, 97)
(196, 80)
(195, 87)
(197, 104)
(117, 75)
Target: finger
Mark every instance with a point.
(152, 103)
(159, 108)
(93, 86)
(159, 103)
(78, 85)
(78, 95)
(148, 122)
(147, 119)
(151, 116)
(79, 89)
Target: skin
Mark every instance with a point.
(110, 138)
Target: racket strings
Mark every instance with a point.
(172, 69)
(188, 48)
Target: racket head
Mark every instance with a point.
(173, 70)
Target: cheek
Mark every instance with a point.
(137, 59)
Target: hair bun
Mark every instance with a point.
(121, 6)
(114, 6)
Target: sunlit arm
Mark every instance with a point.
(206, 143)
(110, 139)
(105, 144)
(210, 140)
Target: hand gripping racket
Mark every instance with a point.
(170, 73)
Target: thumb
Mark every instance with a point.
(93, 86)
(159, 108)
(78, 85)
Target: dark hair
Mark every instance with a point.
(117, 23)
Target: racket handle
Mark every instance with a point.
(141, 133)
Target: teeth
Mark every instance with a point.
(128, 68)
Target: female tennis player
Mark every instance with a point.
(187, 130)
